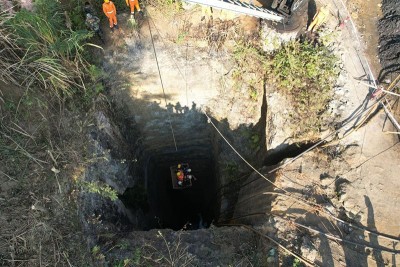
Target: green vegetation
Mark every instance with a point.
(49, 55)
(255, 141)
(297, 263)
(250, 70)
(181, 37)
(249, 60)
(47, 85)
(137, 256)
(96, 253)
(231, 169)
(305, 73)
(101, 189)
(253, 93)
(169, 7)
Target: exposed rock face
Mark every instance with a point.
(109, 149)
(109, 164)
(209, 247)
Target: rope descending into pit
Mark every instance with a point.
(237, 153)
(162, 85)
(184, 76)
(313, 206)
(303, 260)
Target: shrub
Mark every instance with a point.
(306, 74)
(169, 7)
(101, 189)
(48, 54)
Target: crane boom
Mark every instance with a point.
(241, 8)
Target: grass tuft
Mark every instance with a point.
(306, 74)
(40, 51)
(303, 72)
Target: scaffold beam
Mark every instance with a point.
(241, 8)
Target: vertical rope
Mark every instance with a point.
(186, 81)
(162, 85)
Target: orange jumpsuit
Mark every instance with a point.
(132, 4)
(111, 13)
(180, 176)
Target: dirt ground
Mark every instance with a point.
(354, 180)
(366, 15)
(192, 75)
(362, 167)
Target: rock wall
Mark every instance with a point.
(109, 164)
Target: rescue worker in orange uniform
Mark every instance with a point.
(132, 4)
(111, 13)
(180, 177)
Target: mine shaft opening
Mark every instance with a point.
(195, 207)
(163, 206)
(189, 208)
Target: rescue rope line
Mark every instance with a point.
(303, 260)
(329, 236)
(162, 85)
(237, 153)
(184, 76)
(315, 206)
(296, 198)
(186, 82)
(165, 45)
(359, 41)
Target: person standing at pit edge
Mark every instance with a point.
(132, 4)
(111, 13)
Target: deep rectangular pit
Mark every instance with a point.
(165, 207)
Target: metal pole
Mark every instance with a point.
(241, 8)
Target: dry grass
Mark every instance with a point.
(37, 52)
(40, 141)
(39, 150)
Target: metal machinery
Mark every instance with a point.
(281, 11)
